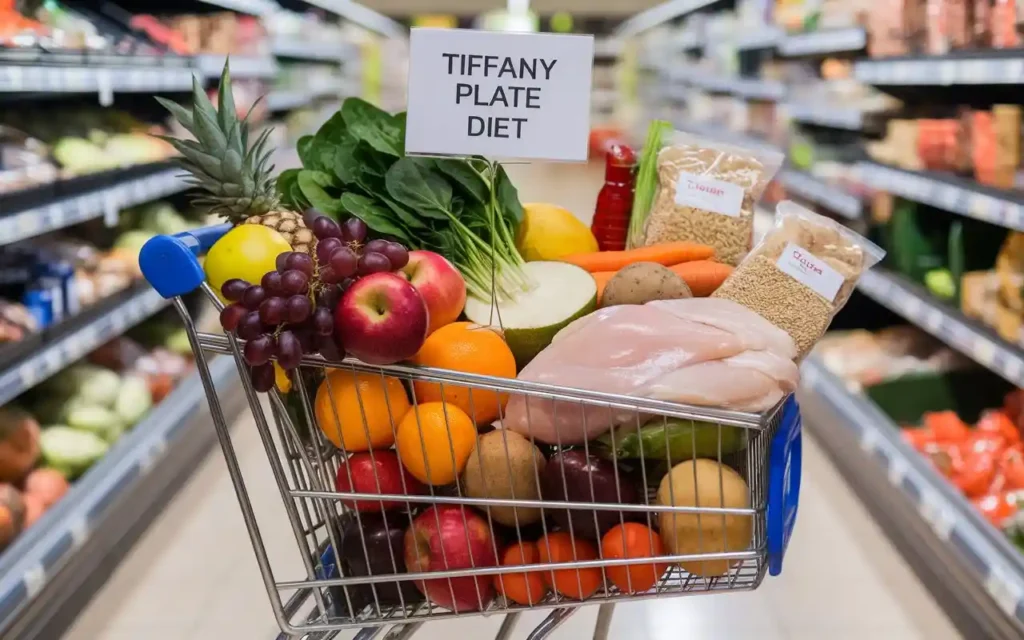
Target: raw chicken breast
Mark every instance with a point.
(703, 351)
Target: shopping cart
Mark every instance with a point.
(341, 584)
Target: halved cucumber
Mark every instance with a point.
(562, 293)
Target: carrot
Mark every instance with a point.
(666, 254)
(602, 278)
(702, 276)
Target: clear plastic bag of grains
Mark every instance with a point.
(706, 194)
(801, 273)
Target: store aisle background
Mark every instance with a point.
(193, 574)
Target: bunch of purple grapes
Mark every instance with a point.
(290, 313)
(343, 257)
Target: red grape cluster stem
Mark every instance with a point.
(290, 313)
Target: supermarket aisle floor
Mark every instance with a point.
(193, 575)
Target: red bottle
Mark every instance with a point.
(615, 200)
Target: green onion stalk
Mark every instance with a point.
(646, 182)
(492, 266)
(493, 270)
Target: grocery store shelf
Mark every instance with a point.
(298, 48)
(607, 48)
(251, 7)
(603, 98)
(971, 558)
(730, 137)
(952, 193)
(363, 16)
(761, 38)
(825, 42)
(71, 340)
(94, 203)
(210, 66)
(821, 193)
(826, 115)
(750, 88)
(971, 338)
(660, 14)
(288, 100)
(982, 68)
(689, 40)
(97, 77)
(45, 567)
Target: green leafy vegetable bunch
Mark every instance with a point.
(465, 209)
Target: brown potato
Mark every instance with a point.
(642, 282)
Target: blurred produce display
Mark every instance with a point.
(52, 278)
(87, 27)
(38, 146)
(54, 433)
(905, 28)
(211, 33)
(984, 144)
(956, 415)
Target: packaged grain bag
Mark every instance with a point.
(706, 194)
(801, 273)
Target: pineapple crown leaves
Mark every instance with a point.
(234, 176)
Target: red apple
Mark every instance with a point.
(381, 319)
(440, 284)
(376, 472)
(447, 538)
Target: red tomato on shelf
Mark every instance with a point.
(997, 507)
(1011, 465)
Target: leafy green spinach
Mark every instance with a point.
(466, 209)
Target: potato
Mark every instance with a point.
(706, 484)
(642, 282)
(505, 466)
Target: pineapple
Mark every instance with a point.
(233, 176)
(290, 225)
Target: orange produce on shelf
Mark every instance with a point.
(975, 476)
(560, 547)
(919, 438)
(633, 540)
(946, 426)
(1011, 467)
(999, 422)
(997, 507)
(526, 588)
(359, 411)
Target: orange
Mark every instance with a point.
(358, 411)
(522, 588)
(434, 442)
(469, 348)
(633, 540)
(560, 547)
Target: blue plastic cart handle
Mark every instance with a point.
(171, 264)
(784, 467)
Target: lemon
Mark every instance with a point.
(549, 232)
(249, 251)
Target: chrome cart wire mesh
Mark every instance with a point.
(368, 542)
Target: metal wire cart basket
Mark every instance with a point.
(675, 500)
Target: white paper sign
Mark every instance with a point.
(811, 271)
(500, 95)
(709, 194)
